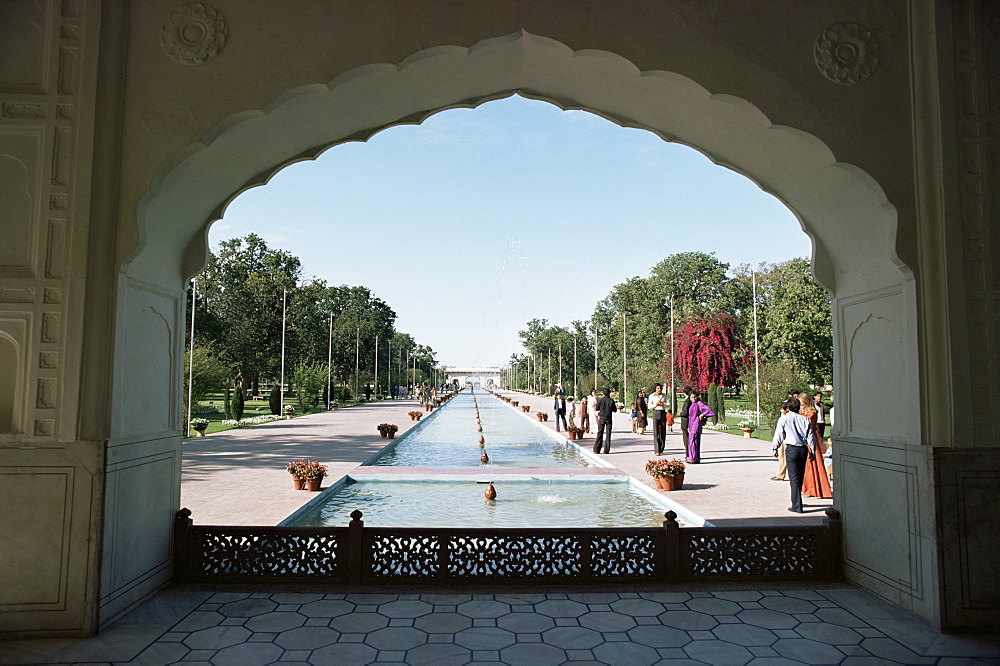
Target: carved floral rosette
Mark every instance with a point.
(846, 53)
(194, 33)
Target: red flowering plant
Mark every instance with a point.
(708, 349)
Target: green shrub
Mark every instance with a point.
(238, 402)
(342, 393)
(274, 400)
(227, 405)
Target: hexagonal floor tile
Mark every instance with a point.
(666, 597)
(526, 623)
(688, 620)
(307, 638)
(370, 599)
(657, 636)
(537, 654)
(807, 651)
(485, 638)
(718, 653)
(573, 638)
(840, 617)
(624, 653)
(744, 634)
(295, 598)
(199, 620)
(714, 606)
(438, 654)
(359, 623)
(396, 638)
(326, 608)
(738, 595)
(787, 605)
(344, 653)
(637, 607)
(831, 634)
(405, 609)
(248, 654)
(445, 599)
(768, 619)
(216, 638)
(606, 621)
(561, 608)
(275, 622)
(248, 607)
(483, 608)
(443, 623)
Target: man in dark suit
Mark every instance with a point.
(559, 408)
(605, 411)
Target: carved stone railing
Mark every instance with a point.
(359, 555)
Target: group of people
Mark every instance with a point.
(798, 446)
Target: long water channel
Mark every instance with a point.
(541, 479)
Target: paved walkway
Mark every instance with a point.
(238, 477)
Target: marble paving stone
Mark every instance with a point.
(810, 652)
(831, 634)
(526, 622)
(671, 653)
(806, 617)
(447, 654)
(199, 620)
(444, 623)
(396, 638)
(675, 607)
(768, 619)
(808, 595)
(622, 653)
(248, 654)
(520, 599)
(839, 616)
(606, 621)
(479, 608)
(401, 622)
(161, 653)
(260, 595)
(537, 654)
(890, 649)
(616, 637)
(359, 622)
(686, 619)
(563, 608)
(563, 595)
(287, 608)
(352, 638)
(761, 650)
(573, 637)
(296, 655)
(440, 638)
(658, 636)
(485, 655)
(728, 619)
(718, 653)
(714, 606)
(262, 637)
(405, 609)
(199, 656)
(785, 633)
(646, 620)
(392, 656)
(439, 600)
(666, 597)
(209, 606)
(744, 634)
(522, 608)
(638, 607)
(226, 597)
(370, 598)
(596, 598)
(307, 638)
(485, 638)
(750, 604)
(331, 595)
(233, 622)
(787, 605)
(700, 594)
(484, 622)
(275, 622)
(701, 635)
(776, 661)
(319, 622)
(216, 638)
(738, 595)
(296, 598)
(529, 638)
(326, 608)
(173, 637)
(854, 650)
(579, 655)
(567, 622)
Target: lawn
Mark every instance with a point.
(251, 408)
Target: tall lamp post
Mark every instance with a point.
(284, 310)
(194, 287)
(673, 388)
(329, 366)
(624, 361)
(756, 358)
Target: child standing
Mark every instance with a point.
(634, 418)
(670, 420)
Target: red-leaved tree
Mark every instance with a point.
(708, 350)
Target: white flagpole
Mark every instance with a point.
(357, 363)
(329, 366)
(376, 367)
(560, 364)
(389, 369)
(194, 287)
(673, 389)
(595, 355)
(281, 388)
(756, 357)
(575, 388)
(624, 362)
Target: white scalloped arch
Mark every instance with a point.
(836, 203)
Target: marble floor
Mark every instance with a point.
(834, 624)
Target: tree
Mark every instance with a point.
(238, 399)
(707, 350)
(697, 281)
(776, 379)
(208, 371)
(309, 380)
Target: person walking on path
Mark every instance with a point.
(658, 412)
(642, 411)
(592, 406)
(570, 412)
(820, 414)
(796, 433)
(697, 415)
(670, 420)
(782, 473)
(683, 415)
(815, 482)
(559, 408)
(606, 409)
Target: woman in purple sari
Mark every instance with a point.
(697, 415)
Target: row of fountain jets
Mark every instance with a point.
(491, 491)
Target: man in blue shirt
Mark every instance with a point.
(796, 432)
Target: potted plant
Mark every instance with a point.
(415, 415)
(668, 474)
(313, 473)
(199, 425)
(574, 432)
(388, 430)
(748, 427)
(289, 410)
(296, 468)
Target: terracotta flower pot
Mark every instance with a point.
(298, 482)
(678, 481)
(312, 485)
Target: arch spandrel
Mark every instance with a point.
(836, 203)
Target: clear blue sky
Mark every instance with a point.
(479, 220)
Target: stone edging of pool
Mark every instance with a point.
(589, 456)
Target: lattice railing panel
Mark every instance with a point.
(623, 556)
(756, 555)
(268, 555)
(405, 556)
(514, 556)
